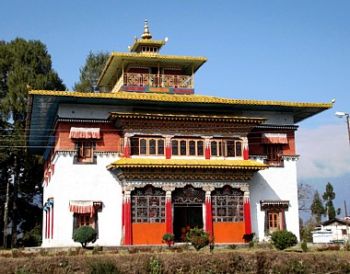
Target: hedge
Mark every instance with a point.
(184, 262)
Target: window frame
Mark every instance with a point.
(222, 149)
(232, 204)
(159, 147)
(153, 203)
(80, 157)
(188, 151)
(274, 154)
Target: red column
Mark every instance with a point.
(245, 151)
(48, 219)
(207, 149)
(45, 224)
(247, 217)
(52, 218)
(127, 221)
(167, 147)
(126, 147)
(168, 213)
(208, 214)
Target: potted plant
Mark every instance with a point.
(168, 238)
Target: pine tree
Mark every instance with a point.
(317, 209)
(328, 197)
(23, 65)
(91, 71)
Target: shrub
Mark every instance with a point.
(103, 268)
(304, 246)
(198, 238)
(84, 235)
(154, 266)
(347, 246)
(168, 238)
(32, 237)
(283, 239)
(248, 237)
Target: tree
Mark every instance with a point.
(328, 197)
(317, 209)
(305, 192)
(91, 71)
(23, 65)
(84, 235)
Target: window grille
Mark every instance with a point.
(227, 205)
(148, 205)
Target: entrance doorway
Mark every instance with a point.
(188, 210)
(185, 218)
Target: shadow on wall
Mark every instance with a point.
(259, 190)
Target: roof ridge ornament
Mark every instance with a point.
(146, 33)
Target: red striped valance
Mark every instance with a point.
(82, 207)
(84, 133)
(274, 138)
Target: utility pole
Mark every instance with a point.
(6, 214)
(345, 209)
(14, 203)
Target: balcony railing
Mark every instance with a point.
(157, 80)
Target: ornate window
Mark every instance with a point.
(226, 147)
(88, 218)
(188, 195)
(187, 147)
(85, 152)
(147, 146)
(148, 205)
(274, 214)
(227, 205)
(274, 154)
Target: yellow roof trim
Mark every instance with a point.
(159, 56)
(186, 163)
(166, 116)
(139, 42)
(175, 98)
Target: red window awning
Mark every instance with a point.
(274, 138)
(84, 133)
(83, 207)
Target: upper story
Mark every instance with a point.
(147, 109)
(144, 69)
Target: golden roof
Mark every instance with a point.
(186, 163)
(176, 98)
(118, 60)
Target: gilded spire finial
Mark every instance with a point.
(146, 34)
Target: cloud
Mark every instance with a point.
(324, 151)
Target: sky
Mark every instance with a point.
(291, 50)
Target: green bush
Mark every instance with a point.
(32, 237)
(168, 238)
(198, 238)
(103, 268)
(304, 246)
(84, 235)
(283, 239)
(154, 266)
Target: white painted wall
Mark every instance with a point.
(331, 232)
(275, 183)
(84, 182)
